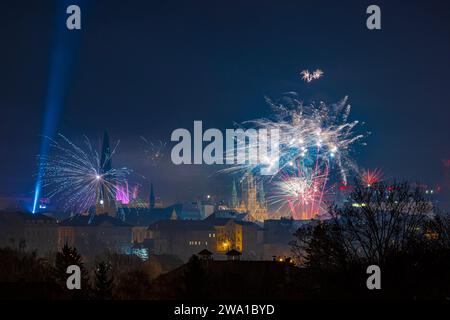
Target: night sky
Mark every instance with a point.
(145, 68)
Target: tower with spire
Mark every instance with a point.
(105, 201)
(261, 195)
(152, 197)
(253, 202)
(234, 196)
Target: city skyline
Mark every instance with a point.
(217, 157)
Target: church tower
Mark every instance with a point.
(234, 196)
(251, 194)
(151, 201)
(261, 195)
(105, 202)
(253, 200)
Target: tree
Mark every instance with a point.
(196, 278)
(380, 219)
(30, 275)
(392, 226)
(67, 257)
(132, 285)
(103, 282)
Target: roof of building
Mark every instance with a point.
(182, 225)
(92, 221)
(24, 216)
(233, 252)
(227, 214)
(205, 252)
(146, 216)
(206, 224)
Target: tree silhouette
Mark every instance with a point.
(103, 285)
(380, 219)
(196, 278)
(392, 226)
(67, 257)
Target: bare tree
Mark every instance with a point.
(376, 220)
(381, 218)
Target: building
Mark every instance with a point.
(36, 232)
(141, 218)
(197, 210)
(95, 234)
(181, 238)
(253, 200)
(191, 211)
(184, 238)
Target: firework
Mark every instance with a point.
(313, 134)
(77, 177)
(154, 151)
(301, 192)
(315, 141)
(371, 177)
(310, 76)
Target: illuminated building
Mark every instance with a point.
(229, 236)
(123, 194)
(183, 238)
(253, 202)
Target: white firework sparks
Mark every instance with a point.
(310, 76)
(76, 176)
(314, 148)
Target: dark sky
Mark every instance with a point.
(145, 68)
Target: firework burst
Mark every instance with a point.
(301, 191)
(371, 177)
(76, 175)
(315, 141)
(310, 76)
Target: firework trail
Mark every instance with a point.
(154, 151)
(315, 141)
(76, 176)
